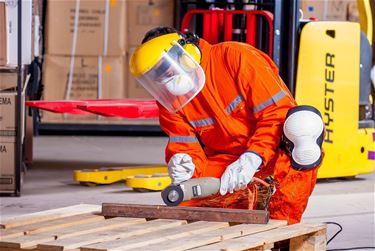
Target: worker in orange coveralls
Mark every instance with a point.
(225, 110)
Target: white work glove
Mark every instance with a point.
(239, 173)
(180, 167)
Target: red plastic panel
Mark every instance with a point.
(125, 108)
(133, 109)
(58, 106)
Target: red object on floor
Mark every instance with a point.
(125, 108)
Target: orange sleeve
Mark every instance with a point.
(182, 139)
(266, 95)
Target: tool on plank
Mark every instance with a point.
(197, 188)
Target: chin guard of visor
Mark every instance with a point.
(302, 138)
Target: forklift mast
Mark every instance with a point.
(285, 26)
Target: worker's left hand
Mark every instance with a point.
(239, 173)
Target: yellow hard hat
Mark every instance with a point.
(149, 53)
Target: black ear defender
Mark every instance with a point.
(192, 38)
(190, 42)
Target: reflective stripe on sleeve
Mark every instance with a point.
(202, 122)
(234, 104)
(183, 139)
(270, 101)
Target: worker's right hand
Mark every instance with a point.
(180, 167)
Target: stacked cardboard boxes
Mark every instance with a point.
(85, 44)
(89, 44)
(8, 113)
(9, 108)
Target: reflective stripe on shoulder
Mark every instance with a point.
(183, 139)
(234, 104)
(270, 101)
(202, 122)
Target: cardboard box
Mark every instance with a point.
(143, 15)
(12, 32)
(8, 113)
(7, 166)
(313, 9)
(325, 10)
(353, 13)
(8, 116)
(92, 78)
(96, 27)
(337, 10)
(8, 78)
(134, 89)
(3, 35)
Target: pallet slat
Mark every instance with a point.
(109, 224)
(83, 240)
(210, 237)
(262, 238)
(44, 226)
(151, 238)
(49, 215)
(187, 213)
(59, 234)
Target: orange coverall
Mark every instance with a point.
(242, 107)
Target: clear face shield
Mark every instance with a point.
(175, 79)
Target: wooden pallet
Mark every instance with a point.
(82, 227)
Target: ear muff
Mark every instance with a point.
(190, 43)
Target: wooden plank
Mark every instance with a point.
(260, 239)
(84, 240)
(151, 238)
(12, 233)
(186, 213)
(310, 242)
(12, 249)
(26, 241)
(32, 240)
(44, 226)
(91, 228)
(49, 215)
(197, 240)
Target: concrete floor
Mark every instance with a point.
(49, 184)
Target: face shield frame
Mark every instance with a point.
(175, 79)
